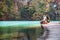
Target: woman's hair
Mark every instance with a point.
(44, 13)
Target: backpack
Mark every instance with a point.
(48, 19)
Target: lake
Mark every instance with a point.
(21, 23)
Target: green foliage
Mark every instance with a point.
(12, 10)
(9, 3)
(3, 9)
(8, 10)
(41, 7)
(26, 12)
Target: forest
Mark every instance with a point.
(17, 10)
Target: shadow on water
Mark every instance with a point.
(45, 34)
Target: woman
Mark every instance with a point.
(46, 19)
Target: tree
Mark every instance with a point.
(41, 6)
(26, 12)
(9, 10)
(3, 10)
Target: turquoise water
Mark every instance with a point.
(21, 23)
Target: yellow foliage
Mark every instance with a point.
(47, 7)
(5, 8)
(48, 0)
(36, 16)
